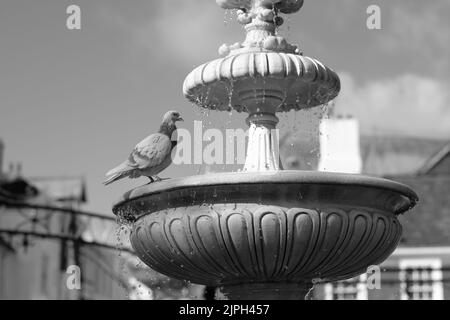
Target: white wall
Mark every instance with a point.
(339, 145)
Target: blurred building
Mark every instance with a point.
(420, 267)
(43, 234)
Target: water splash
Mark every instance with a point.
(310, 294)
(228, 16)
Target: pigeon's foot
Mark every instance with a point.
(155, 179)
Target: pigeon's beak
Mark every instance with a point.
(180, 119)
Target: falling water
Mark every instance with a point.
(123, 227)
(202, 113)
(275, 16)
(225, 17)
(230, 96)
(228, 16)
(287, 23)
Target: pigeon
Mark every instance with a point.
(150, 156)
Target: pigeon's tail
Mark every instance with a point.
(114, 177)
(117, 173)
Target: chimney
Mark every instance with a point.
(2, 149)
(339, 145)
(15, 170)
(19, 169)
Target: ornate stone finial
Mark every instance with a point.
(261, 18)
(284, 6)
(254, 11)
(261, 76)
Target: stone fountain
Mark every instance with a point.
(265, 232)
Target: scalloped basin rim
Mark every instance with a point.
(281, 177)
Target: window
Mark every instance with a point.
(351, 289)
(421, 279)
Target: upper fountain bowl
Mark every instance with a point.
(261, 80)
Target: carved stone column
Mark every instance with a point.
(263, 143)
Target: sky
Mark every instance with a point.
(75, 102)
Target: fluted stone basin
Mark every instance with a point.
(265, 235)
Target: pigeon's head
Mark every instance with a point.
(172, 117)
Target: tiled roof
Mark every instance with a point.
(17, 190)
(396, 155)
(439, 164)
(428, 224)
(62, 188)
(20, 190)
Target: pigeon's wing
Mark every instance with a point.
(150, 152)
